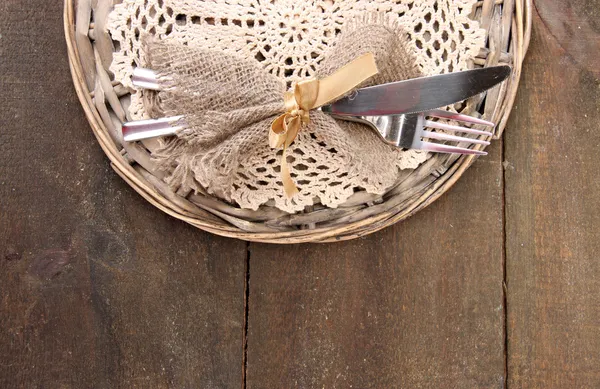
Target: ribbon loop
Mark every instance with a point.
(311, 94)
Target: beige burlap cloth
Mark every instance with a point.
(229, 103)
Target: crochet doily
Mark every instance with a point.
(289, 38)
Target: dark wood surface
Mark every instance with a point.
(98, 289)
(417, 305)
(496, 284)
(552, 204)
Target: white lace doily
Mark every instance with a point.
(289, 38)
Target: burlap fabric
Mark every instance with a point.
(229, 103)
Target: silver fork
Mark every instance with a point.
(406, 131)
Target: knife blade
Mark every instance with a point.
(418, 94)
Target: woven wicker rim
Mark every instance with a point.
(508, 24)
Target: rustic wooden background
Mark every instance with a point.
(495, 285)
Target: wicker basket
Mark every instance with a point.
(508, 24)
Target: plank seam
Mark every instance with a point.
(504, 267)
(246, 310)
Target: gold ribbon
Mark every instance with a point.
(311, 94)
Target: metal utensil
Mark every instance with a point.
(152, 128)
(408, 131)
(418, 94)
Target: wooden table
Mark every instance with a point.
(496, 284)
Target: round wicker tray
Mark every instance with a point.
(508, 24)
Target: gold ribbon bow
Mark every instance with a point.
(311, 94)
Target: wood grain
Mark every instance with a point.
(575, 26)
(97, 288)
(418, 305)
(552, 221)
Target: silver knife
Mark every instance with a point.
(418, 94)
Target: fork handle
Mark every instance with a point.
(397, 130)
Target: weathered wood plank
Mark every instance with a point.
(97, 288)
(575, 26)
(552, 219)
(416, 305)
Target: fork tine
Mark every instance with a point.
(144, 129)
(442, 136)
(439, 148)
(145, 78)
(448, 127)
(438, 113)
